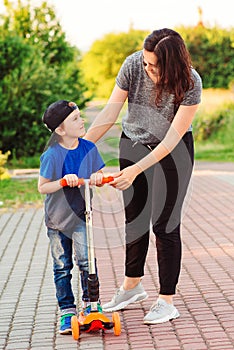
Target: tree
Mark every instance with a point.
(212, 52)
(39, 27)
(37, 67)
(102, 62)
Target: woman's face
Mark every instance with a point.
(150, 64)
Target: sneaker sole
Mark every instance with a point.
(66, 332)
(137, 298)
(174, 315)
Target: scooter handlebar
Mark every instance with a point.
(81, 181)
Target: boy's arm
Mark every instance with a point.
(46, 186)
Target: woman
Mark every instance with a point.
(156, 161)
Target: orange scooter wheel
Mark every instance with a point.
(75, 327)
(117, 324)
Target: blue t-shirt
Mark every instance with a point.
(64, 208)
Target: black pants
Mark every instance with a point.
(156, 198)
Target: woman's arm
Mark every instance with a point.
(178, 128)
(108, 116)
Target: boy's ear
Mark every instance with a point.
(59, 131)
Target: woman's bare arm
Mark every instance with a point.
(108, 116)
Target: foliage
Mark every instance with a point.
(208, 124)
(214, 115)
(37, 67)
(3, 171)
(102, 62)
(25, 162)
(39, 27)
(212, 52)
(213, 134)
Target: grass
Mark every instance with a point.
(209, 151)
(19, 194)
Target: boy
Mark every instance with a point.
(68, 156)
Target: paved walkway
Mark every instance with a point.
(28, 311)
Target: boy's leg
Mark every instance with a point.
(61, 251)
(81, 256)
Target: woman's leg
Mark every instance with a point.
(171, 180)
(137, 203)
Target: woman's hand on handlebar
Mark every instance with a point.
(124, 178)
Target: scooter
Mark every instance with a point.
(95, 319)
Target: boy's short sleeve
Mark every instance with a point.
(98, 161)
(47, 166)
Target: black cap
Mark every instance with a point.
(57, 112)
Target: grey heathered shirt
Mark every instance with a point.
(144, 121)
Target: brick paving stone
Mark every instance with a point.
(205, 296)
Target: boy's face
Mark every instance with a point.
(73, 125)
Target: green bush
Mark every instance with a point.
(212, 52)
(207, 125)
(213, 134)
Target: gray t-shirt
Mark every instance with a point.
(144, 121)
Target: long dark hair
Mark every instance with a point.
(173, 63)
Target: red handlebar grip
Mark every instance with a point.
(63, 182)
(105, 180)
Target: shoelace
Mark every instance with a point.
(118, 292)
(156, 307)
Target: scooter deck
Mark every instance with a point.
(93, 322)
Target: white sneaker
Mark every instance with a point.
(122, 298)
(161, 312)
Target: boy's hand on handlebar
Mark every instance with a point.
(72, 180)
(96, 179)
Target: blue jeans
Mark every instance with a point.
(62, 254)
